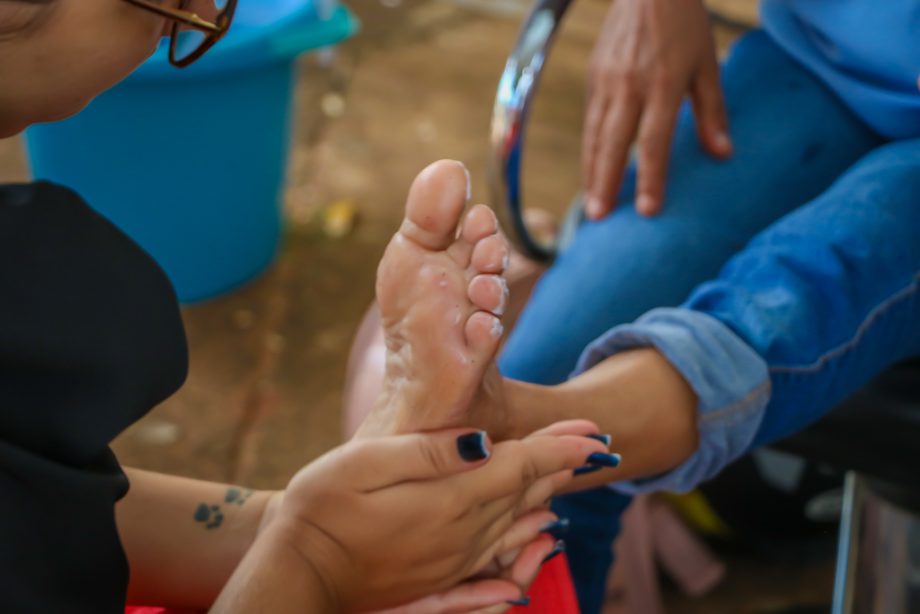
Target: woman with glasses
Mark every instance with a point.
(91, 339)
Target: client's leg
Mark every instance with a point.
(830, 295)
(818, 304)
(792, 139)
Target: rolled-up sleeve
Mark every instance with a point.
(729, 378)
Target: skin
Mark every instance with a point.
(332, 528)
(649, 56)
(44, 38)
(325, 543)
(440, 357)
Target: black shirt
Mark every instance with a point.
(90, 340)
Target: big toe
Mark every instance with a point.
(436, 201)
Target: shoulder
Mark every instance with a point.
(85, 314)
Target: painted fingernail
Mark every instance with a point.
(558, 549)
(556, 527)
(585, 470)
(473, 447)
(599, 459)
(523, 601)
(604, 439)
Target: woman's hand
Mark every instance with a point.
(515, 572)
(650, 54)
(488, 593)
(380, 522)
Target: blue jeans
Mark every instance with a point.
(800, 256)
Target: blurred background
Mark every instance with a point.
(268, 360)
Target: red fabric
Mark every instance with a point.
(552, 593)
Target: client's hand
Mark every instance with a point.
(650, 54)
(380, 522)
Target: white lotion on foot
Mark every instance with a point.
(503, 300)
(497, 328)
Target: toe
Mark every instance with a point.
(479, 224)
(489, 293)
(436, 201)
(491, 255)
(483, 334)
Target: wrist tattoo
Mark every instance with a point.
(210, 516)
(237, 496)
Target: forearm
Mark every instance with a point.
(277, 576)
(637, 396)
(183, 537)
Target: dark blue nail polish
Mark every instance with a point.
(523, 601)
(604, 439)
(599, 459)
(472, 447)
(556, 527)
(558, 549)
(586, 470)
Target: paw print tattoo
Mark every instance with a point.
(209, 515)
(237, 496)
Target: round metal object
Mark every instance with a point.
(516, 90)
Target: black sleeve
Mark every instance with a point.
(90, 340)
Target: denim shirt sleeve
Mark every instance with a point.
(729, 378)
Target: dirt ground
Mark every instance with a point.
(268, 362)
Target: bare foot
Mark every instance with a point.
(441, 293)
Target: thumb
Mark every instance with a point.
(418, 456)
(709, 111)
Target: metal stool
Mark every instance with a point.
(874, 436)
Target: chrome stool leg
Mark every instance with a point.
(878, 560)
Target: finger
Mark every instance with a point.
(594, 119)
(467, 597)
(709, 110)
(568, 427)
(525, 529)
(383, 462)
(616, 136)
(524, 569)
(527, 565)
(516, 465)
(654, 149)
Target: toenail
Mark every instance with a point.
(498, 328)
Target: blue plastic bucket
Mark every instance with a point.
(191, 163)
